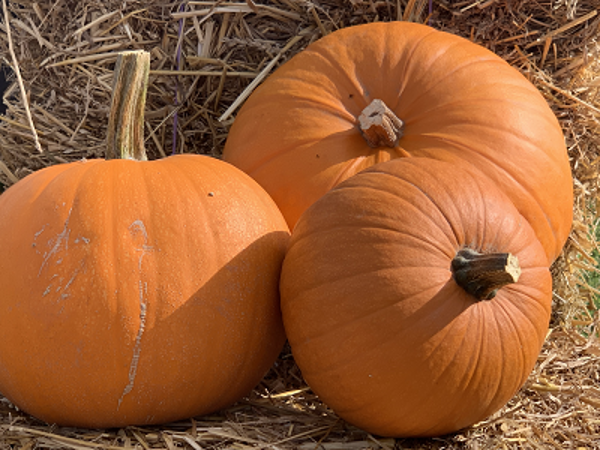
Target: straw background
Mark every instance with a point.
(206, 57)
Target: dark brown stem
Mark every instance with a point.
(380, 126)
(481, 275)
(125, 134)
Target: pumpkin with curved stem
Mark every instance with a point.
(375, 92)
(415, 298)
(137, 292)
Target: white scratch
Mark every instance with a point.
(36, 235)
(134, 228)
(70, 282)
(63, 237)
(137, 348)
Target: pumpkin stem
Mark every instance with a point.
(380, 126)
(482, 275)
(125, 134)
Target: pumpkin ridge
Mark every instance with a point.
(474, 320)
(377, 271)
(457, 235)
(515, 184)
(407, 66)
(346, 171)
(322, 51)
(312, 101)
(502, 312)
(497, 391)
(467, 386)
(419, 100)
(522, 291)
(398, 233)
(458, 104)
(459, 350)
(406, 330)
(406, 203)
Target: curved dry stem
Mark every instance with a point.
(380, 126)
(125, 134)
(482, 275)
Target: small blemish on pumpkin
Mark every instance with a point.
(318, 156)
(351, 96)
(211, 194)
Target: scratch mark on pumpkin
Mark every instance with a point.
(65, 294)
(36, 235)
(62, 238)
(134, 228)
(137, 348)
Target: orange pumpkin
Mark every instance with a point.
(137, 292)
(415, 298)
(375, 92)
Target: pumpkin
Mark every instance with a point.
(137, 292)
(375, 92)
(415, 298)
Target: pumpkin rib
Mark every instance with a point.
(503, 366)
(508, 175)
(519, 291)
(400, 234)
(459, 105)
(438, 207)
(408, 67)
(466, 385)
(467, 378)
(426, 93)
(347, 278)
(411, 57)
(346, 171)
(457, 348)
(331, 64)
(408, 203)
(339, 227)
(386, 307)
(374, 347)
(491, 403)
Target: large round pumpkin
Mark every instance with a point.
(137, 292)
(415, 298)
(375, 92)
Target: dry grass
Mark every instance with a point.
(207, 56)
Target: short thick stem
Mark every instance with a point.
(380, 126)
(481, 275)
(125, 134)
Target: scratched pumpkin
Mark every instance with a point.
(137, 292)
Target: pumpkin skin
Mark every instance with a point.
(377, 324)
(298, 133)
(137, 292)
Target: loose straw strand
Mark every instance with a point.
(19, 78)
